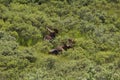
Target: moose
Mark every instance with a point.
(52, 34)
(70, 43)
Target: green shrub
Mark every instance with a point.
(93, 24)
(28, 35)
(114, 1)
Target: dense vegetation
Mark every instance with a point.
(93, 24)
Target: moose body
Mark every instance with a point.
(64, 47)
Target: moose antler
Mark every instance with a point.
(50, 30)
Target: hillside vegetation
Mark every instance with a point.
(93, 24)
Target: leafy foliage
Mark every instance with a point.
(93, 24)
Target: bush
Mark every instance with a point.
(93, 24)
(28, 35)
(115, 1)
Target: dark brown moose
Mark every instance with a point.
(51, 35)
(63, 47)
